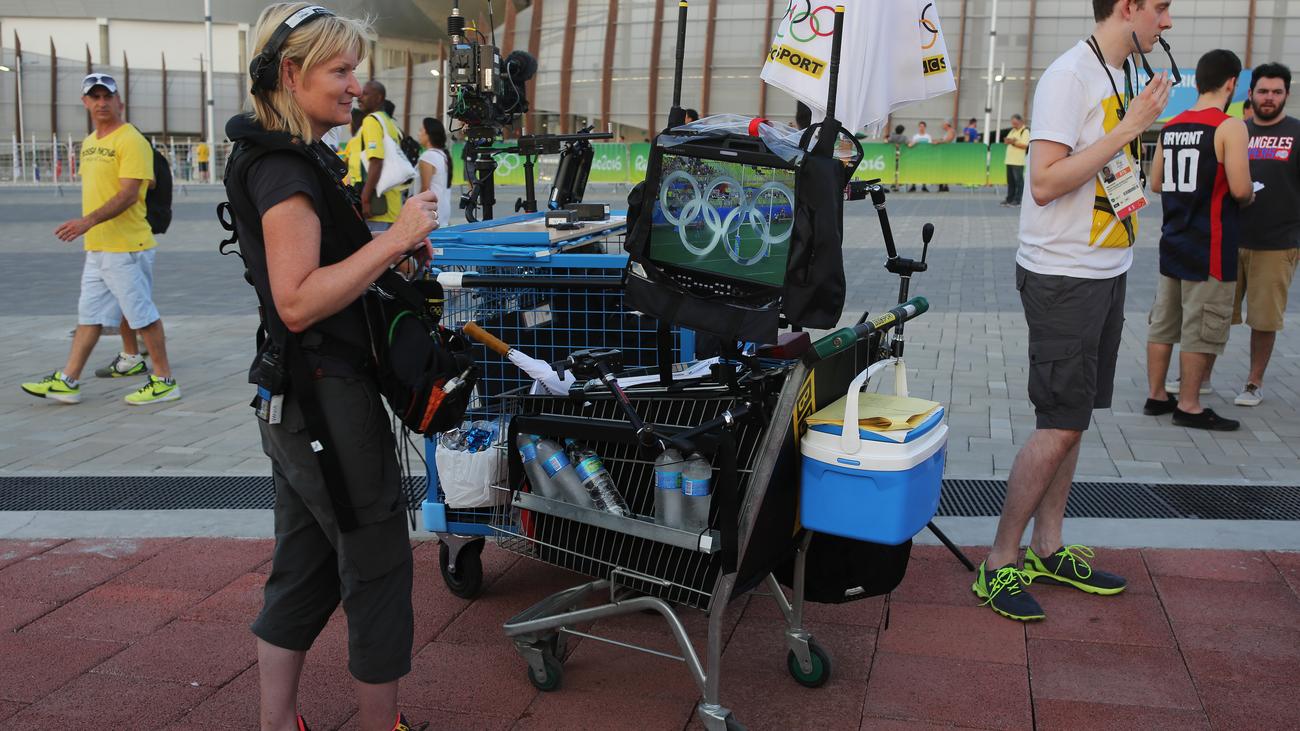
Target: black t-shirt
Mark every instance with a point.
(1273, 220)
(338, 343)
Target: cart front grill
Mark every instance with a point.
(677, 575)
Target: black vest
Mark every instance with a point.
(342, 230)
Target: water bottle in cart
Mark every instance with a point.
(668, 488)
(595, 478)
(697, 489)
(564, 479)
(537, 479)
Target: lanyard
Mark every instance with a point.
(1121, 102)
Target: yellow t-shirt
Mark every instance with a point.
(124, 153)
(202, 152)
(372, 145)
(352, 156)
(1016, 155)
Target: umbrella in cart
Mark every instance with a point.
(550, 382)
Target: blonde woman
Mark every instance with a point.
(339, 511)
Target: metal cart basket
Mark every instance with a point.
(643, 566)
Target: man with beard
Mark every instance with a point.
(1270, 239)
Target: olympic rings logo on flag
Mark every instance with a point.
(929, 25)
(809, 20)
(726, 228)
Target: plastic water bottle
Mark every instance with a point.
(564, 479)
(668, 488)
(541, 484)
(697, 489)
(595, 478)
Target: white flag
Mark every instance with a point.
(892, 54)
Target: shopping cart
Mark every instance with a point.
(749, 427)
(547, 302)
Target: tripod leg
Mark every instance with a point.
(951, 547)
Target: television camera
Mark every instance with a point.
(487, 95)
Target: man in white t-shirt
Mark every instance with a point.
(1070, 271)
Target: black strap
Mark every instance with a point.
(303, 383)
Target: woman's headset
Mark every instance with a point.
(265, 66)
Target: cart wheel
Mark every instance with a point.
(821, 667)
(466, 581)
(734, 725)
(554, 674)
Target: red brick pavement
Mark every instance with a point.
(123, 634)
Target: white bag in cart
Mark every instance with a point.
(467, 478)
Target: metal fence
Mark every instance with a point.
(54, 162)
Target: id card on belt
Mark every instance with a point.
(1119, 179)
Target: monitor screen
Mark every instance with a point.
(725, 218)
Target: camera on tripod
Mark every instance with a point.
(486, 91)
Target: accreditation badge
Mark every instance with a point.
(1123, 188)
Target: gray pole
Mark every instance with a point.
(207, 85)
(988, 99)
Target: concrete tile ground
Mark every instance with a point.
(128, 649)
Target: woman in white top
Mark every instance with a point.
(434, 170)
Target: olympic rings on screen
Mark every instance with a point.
(749, 214)
(725, 229)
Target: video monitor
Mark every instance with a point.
(727, 218)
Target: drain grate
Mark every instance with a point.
(983, 498)
(961, 498)
(150, 493)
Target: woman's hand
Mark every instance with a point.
(409, 234)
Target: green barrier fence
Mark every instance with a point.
(951, 164)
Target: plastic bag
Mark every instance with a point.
(467, 478)
(780, 139)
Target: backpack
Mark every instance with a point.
(158, 199)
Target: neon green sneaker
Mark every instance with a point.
(123, 365)
(55, 386)
(155, 390)
(1068, 565)
(1003, 591)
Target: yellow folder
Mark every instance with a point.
(879, 412)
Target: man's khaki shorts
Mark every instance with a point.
(1263, 278)
(1194, 315)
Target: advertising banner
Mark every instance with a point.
(877, 162)
(952, 164)
(610, 163)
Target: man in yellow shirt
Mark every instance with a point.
(379, 215)
(1017, 145)
(117, 278)
(202, 154)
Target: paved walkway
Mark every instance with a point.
(969, 352)
(152, 633)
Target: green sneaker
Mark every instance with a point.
(1004, 592)
(1068, 565)
(155, 390)
(55, 386)
(122, 366)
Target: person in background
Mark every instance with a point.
(1270, 240)
(970, 132)
(376, 124)
(434, 170)
(922, 137)
(691, 115)
(203, 155)
(117, 275)
(1203, 185)
(949, 136)
(802, 116)
(1247, 110)
(1017, 146)
(352, 150)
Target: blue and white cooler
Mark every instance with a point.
(868, 485)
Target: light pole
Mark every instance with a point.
(209, 105)
(988, 99)
(1001, 78)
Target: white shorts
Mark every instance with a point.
(115, 284)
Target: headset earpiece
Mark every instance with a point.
(264, 69)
